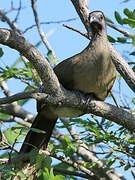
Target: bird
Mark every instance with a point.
(90, 72)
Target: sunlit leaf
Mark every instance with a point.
(128, 13)
(118, 18)
(121, 40)
(111, 39)
(130, 22)
(12, 133)
(133, 100)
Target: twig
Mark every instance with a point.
(69, 162)
(42, 35)
(18, 12)
(99, 124)
(12, 146)
(4, 143)
(24, 81)
(126, 33)
(50, 22)
(114, 99)
(72, 173)
(23, 123)
(10, 23)
(120, 92)
(11, 9)
(33, 71)
(20, 96)
(76, 30)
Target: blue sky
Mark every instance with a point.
(64, 42)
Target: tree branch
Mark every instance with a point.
(42, 35)
(42, 66)
(15, 110)
(71, 99)
(126, 33)
(10, 23)
(72, 173)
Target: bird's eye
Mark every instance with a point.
(101, 17)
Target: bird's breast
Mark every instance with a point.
(94, 74)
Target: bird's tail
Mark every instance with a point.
(44, 121)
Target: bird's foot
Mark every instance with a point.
(89, 97)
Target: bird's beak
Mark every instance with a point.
(94, 19)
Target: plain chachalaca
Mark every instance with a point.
(91, 72)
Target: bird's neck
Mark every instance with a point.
(99, 35)
(98, 38)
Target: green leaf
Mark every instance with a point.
(111, 39)
(13, 133)
(121, 40)
(49, 175)
(47, 162)
(66, 137)
(4, 116)
(37, 130)
(133, 68)
(44, 175)
(59, 177)
(111, 162)
(17, 62)
(52, 59)
(33, 155)
(130, 22)
(133, 53)
(133, 40)
(50, 55)
(127, 167)
(13, 72)
(118, 18)
(23, 101)
(38, 43)
(109, 20)
(126, 1)
(1, 52)
(40, 159)
(133, 100)
(128, 13)
(21, 174)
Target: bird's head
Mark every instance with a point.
(97, 22)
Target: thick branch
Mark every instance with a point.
(20, 96)
(71, 99)
(15, 110)
(42, 66)
(123, 68)
(83, 11)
